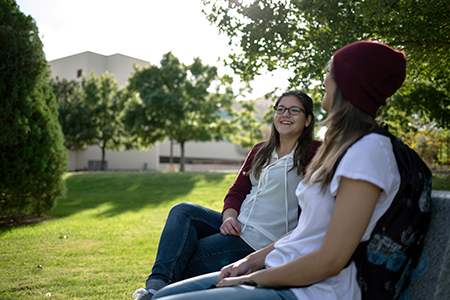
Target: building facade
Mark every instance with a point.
(200, 156)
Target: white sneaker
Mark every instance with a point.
(142, 294)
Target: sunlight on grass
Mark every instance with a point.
(102, 241)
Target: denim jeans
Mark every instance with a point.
(198, 289)
(191, 244)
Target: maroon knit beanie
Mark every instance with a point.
(367, 73)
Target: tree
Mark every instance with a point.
(425, 100)
(175, 101)
(69, 97)
(102, 109)
(427, 139)
(248, 127)
(33, 158)
(303, 35)
(153, 94)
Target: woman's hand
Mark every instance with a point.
(239, 268)
(247, 268)
(230, 224)
(232, 281)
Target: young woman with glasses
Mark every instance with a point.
(259, 208)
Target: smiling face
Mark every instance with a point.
(287, 125)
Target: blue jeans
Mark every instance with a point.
(191, 244)
(198, 289)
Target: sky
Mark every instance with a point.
(144, 29)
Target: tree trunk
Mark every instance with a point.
(182, 157)
(171, 153)
(103, 156)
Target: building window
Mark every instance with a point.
(96, 165)
(79, 73)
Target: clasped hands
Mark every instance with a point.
(236, 273)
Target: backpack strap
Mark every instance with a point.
(383, 130)
(403, 225)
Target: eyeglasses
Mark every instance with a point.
(293, 110)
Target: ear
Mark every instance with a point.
(308, 120)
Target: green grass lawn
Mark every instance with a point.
(103, 237)
(441, 181)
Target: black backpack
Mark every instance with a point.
(386, 262)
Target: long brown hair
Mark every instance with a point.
(262, 157)
(346, 123)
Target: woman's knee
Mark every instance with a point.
(205, 220)
(183, 208)
(189, 285)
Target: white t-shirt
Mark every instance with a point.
(370, 159)
(270, 210)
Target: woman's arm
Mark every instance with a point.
(236, 195)
(351, 215)
(249, 264)
(230, 224)
(242, 185)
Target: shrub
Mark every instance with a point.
(32, 156)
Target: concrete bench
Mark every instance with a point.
(433, 281)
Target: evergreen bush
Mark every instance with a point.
(32, 156)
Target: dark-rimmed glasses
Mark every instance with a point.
(293, 110)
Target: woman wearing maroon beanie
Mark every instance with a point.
(340, 206)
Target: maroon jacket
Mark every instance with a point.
(242, 185)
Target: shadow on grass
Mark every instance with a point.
(127, 191)
(9, 222)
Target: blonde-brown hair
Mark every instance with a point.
(346, 123)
